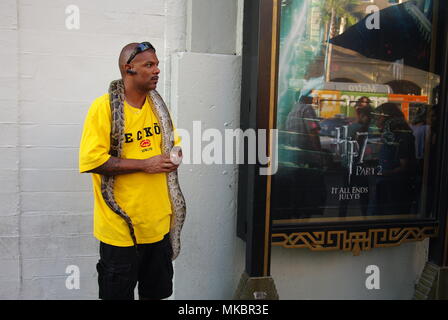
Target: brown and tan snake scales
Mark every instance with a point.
(116, 94)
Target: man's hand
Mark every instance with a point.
(116, 166)
(159, 164)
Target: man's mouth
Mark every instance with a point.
(155, 78)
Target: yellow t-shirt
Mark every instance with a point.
(144, 197)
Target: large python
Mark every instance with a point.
(116, 95)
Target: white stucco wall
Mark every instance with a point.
(50, 75)
(212, 26)
(206, 87)
(208, 90)
(9, 176)
(303, 274)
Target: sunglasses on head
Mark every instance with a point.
(139, 49)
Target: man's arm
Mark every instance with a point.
(117, 166)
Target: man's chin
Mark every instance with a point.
(149, 88)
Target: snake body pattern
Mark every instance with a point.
(160, 110)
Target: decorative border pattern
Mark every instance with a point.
(354, 241)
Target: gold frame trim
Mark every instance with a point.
(272, 107)
(345, 219)
(354, 241)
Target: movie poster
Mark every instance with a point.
(356, 111)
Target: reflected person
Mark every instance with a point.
(422, 133)
(395, 187)
(308, 193)
(303, 124)
(358, 131)
(363, 102)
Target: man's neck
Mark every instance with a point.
(135, 98)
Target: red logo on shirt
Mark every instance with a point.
(145, 143)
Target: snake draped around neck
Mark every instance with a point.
(117, 97)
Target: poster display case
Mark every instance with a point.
(355, 100)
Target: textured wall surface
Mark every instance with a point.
(303, 274)
(9, 161)
(207, 266)
(212, 26)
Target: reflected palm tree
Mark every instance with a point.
(337, 15)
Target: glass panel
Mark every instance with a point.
(357, 111)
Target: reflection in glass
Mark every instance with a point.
(356, 112)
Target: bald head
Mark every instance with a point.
(124, 56)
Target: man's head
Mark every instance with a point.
(364, 115)
(387, 111)
(139, 66)
(307, 97)
(420, 114)
(363, 102)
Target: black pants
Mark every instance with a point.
(121, 268)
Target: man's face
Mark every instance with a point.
(146, 65)
(380, 122)
(364, 119)
(363, 103)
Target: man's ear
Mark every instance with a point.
(129, 69)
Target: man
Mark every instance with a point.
(358, 131)
(363, 102)
(302, 120)
(140, 185)
(362, 123)
(308, 188)
(395, 188)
